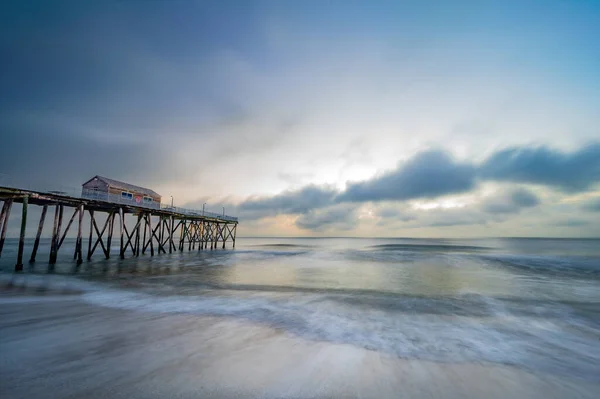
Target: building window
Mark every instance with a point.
(148, 200)
(126, 195)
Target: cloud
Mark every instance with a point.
(391, 214)
(289, 202)
(342, 217)
(572, 222)
(454, 217)
(571, 172)
(511, 201)
(41, 155)
(446, 217)
(432, 174)
(592, 205)
(428, 174)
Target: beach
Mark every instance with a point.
(310, 318)
(59, 346)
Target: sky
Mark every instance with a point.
(316, 118)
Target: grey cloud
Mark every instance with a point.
(393, 213)
(341, 217)
(592, 205)
(456, 220)
(575, 171)
(40, 155)
(300, 201)
(446, 217)
(431, 174)
(511, 202)
(572, 222)
(426, 175)
(295, 202)
(524, 198)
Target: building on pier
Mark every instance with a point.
(110, 190)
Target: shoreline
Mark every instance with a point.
(58, 343)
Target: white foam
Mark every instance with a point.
(508, 339)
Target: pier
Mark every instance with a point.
(159, 228)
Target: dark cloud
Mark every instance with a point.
(524, 198)
(426, 175)
(299, 201)
(511, 202)
(592, 205)
(342, 217)
(294, 202)
(574, 171)
(39, 156)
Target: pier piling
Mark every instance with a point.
(19, 265)
(4, 221)
(36, 243)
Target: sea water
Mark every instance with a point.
(527, 303)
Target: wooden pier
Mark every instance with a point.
(156, 230)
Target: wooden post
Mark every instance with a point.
(3, 212)
(64, 235)
(111, 223)
(202, 236)
(122, 218)
(4, 222)
(160, 233)
(137, 235)
(61, 212)
(234, 232)
(36, 244)
(79, 243)
(217, 230)
(151, 234)
(100, 234)
(89, 253)
(54, 242)
(209, 235)
(182, 235)
(196, 235)
(172, 243)
(144, 238)
(19, 265)
(170, 237)
(223, 236)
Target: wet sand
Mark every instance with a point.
(58, 346)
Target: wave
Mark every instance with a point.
(574, 266)
(497, 335)
(428, 247)
(282, 246)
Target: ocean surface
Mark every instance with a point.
(533, 304)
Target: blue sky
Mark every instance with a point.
(385, 118)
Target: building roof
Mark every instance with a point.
(125, 186)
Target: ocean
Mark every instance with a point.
(533, 304)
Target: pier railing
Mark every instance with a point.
(7, 181)
(193, 212)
